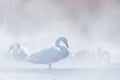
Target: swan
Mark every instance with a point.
(94, 58)
(105, 58)
(18, 52)
(51, 55)
(85, 58)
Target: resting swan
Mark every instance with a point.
(51, 55)
(18, 52)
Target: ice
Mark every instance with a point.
(62, 74)
(87, 24)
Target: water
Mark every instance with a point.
(36, 24)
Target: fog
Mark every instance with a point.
(36, 24)
(87, 24)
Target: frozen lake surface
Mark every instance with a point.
(60, 74)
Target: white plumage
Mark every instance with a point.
(51, 55)
(91, 58)
(18, 52)
(104, 56)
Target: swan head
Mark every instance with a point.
(62, 39)
(14, 46)
(17, 45)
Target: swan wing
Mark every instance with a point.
(46, 56)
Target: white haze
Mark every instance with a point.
(36, 24)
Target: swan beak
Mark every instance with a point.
(67, 45)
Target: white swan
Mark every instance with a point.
(104, 56)
(85, 58)
(18, 52)
(51, 55)
(89, 58)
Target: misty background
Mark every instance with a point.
(36, 24)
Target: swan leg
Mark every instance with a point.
(50, 66)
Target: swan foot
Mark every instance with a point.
(50, 66)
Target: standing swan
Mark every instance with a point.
(51, 55)
(18, 52)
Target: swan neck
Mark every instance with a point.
(57, 44)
